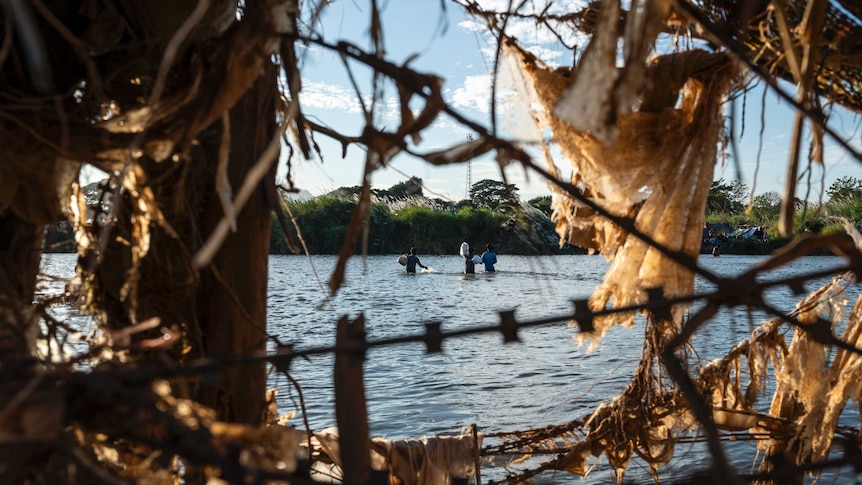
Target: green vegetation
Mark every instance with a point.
(845, 189)
(726, 198)
(765, 208)
(542, 203)
(845, 198)
(401, 218)
(494, 195)
(323, 222)
(730, 204)
(59, 238)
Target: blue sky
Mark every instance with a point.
(458, 49)
(443, 46)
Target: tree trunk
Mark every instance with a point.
(232, 295)
(20, 247)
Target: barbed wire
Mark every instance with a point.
(730, 293)
(744, 290)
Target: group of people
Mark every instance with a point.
(471, 259)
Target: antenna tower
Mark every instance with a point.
(469, 171)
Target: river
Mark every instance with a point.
(545, 378)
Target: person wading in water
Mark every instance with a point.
(413, 261)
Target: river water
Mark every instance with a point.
(546, 378)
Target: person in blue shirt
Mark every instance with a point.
(489, 257)
(413, 261)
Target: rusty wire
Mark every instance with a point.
(745, 290)
(508, 327)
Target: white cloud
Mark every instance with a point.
(547, 55)
(556, 6)
(552, 47)
(327, 96)
(321, 95)
(527, 31)
(475, 94)
(472, 26)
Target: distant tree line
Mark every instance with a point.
(402, 217)
(731, 204)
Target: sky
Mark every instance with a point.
(440, 43)
(448, 43)
(457, 48)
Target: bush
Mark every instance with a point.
(542, 203)
(848, 208)
(751, 245)
(833, 228)
(431, 232)
(321, 220)
(59, 238)
(396, 224)
(735, 220)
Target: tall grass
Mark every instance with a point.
(395, 225)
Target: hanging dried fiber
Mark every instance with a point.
(656, 172)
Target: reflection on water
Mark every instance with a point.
(55, 272)
(546, 378)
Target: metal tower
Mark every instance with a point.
(469, 171)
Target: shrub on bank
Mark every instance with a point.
(751, 245)
(395, 225)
